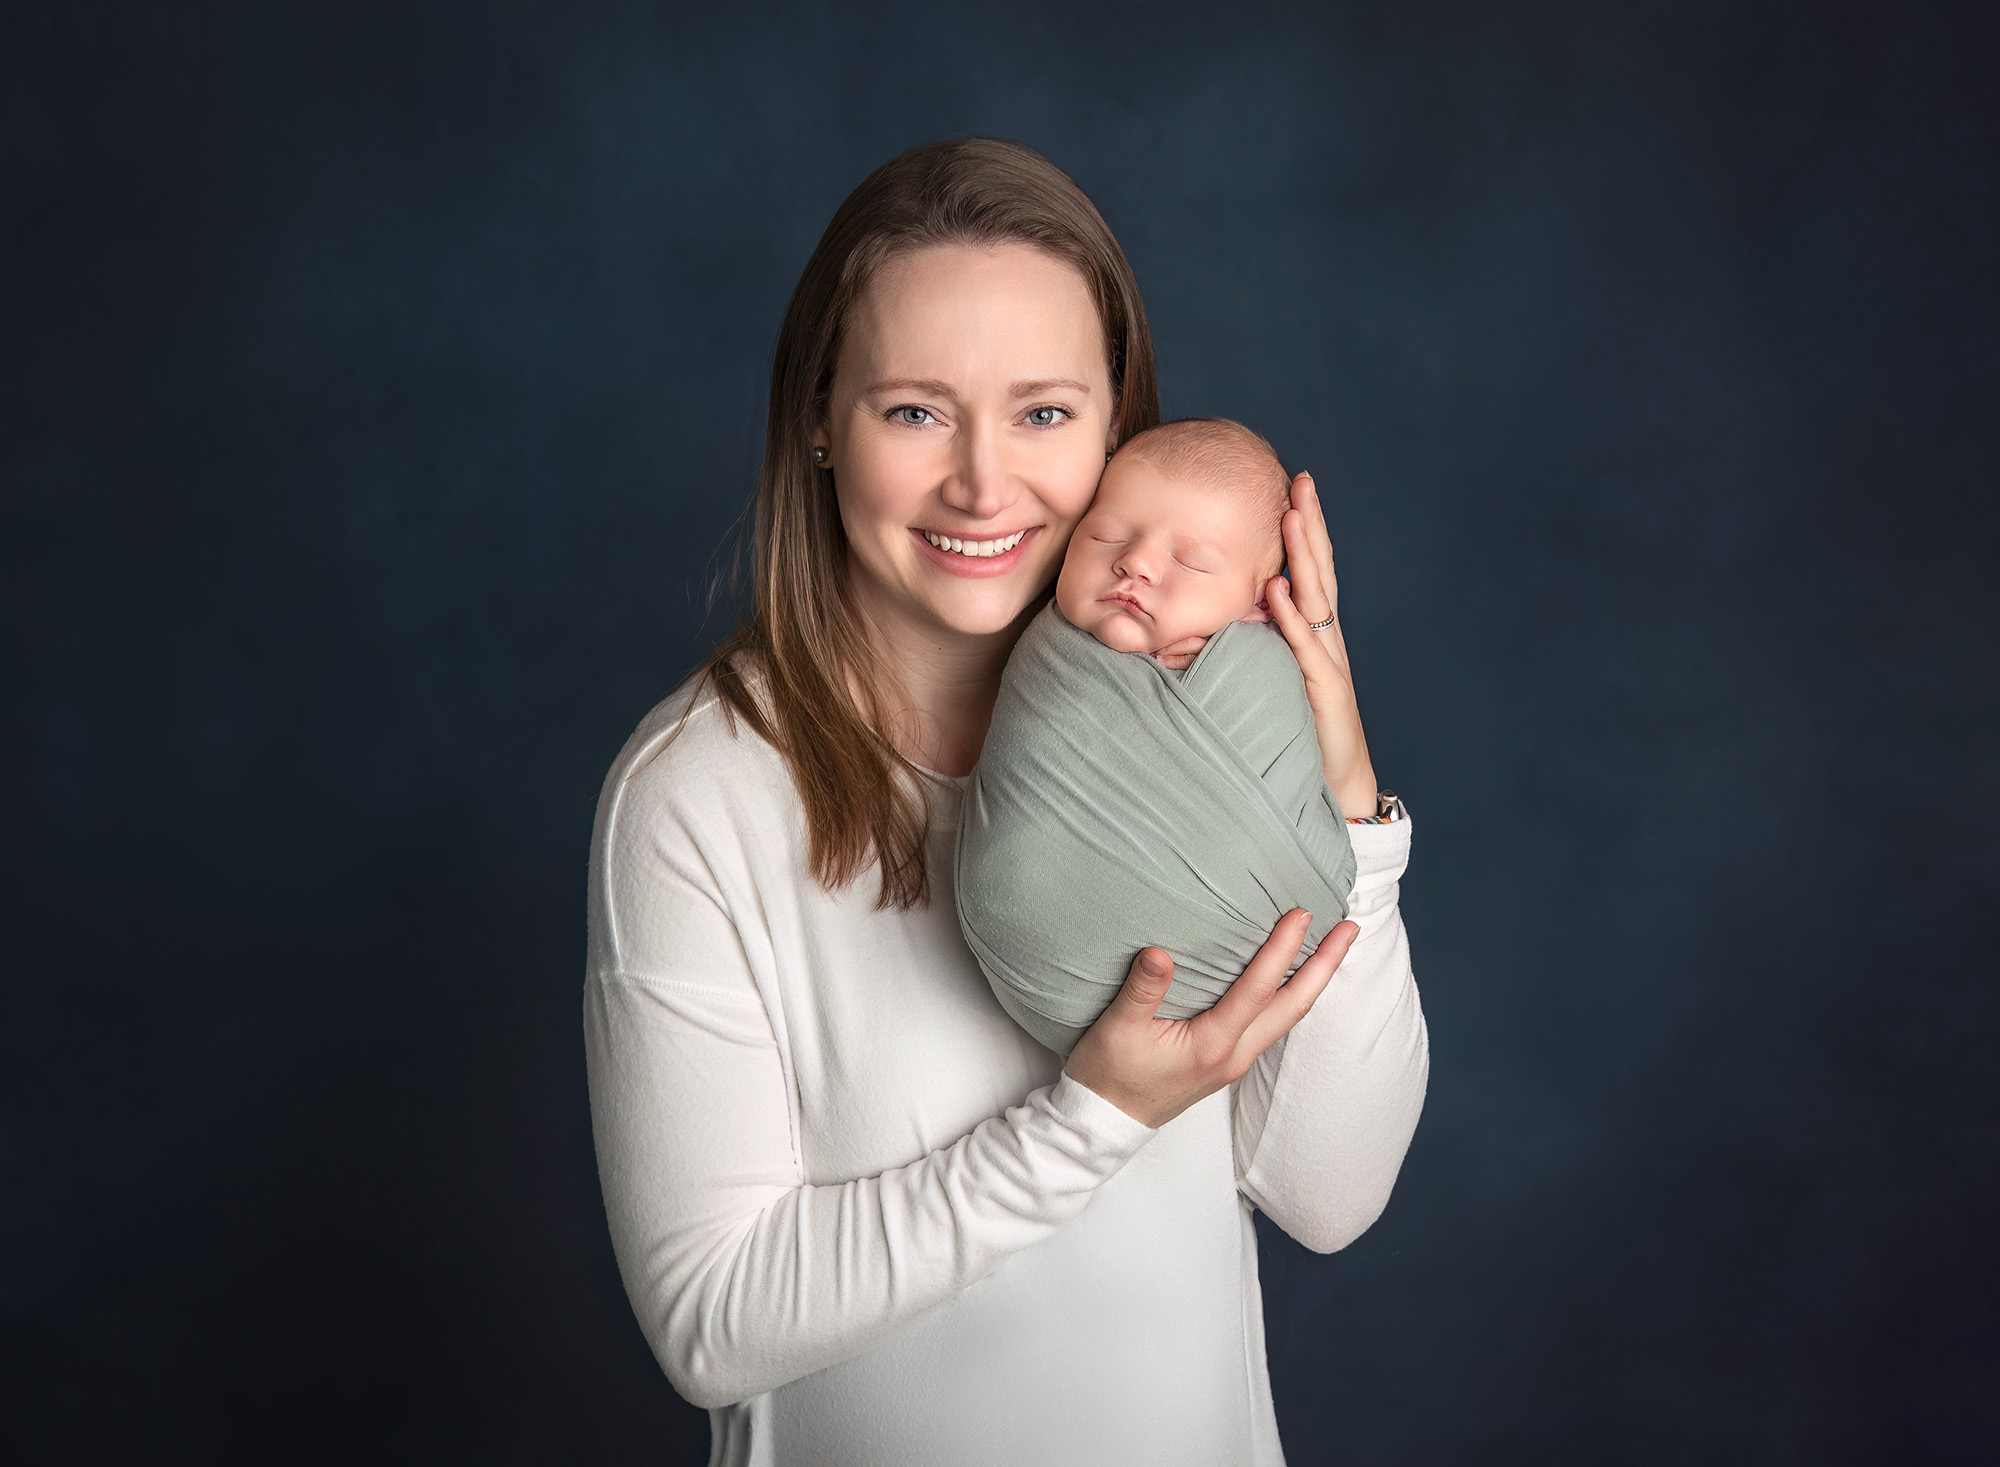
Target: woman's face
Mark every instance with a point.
(968, 423)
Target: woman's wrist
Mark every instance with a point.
(1357, 793)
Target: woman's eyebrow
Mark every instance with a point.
(912, 384)
(1040, 385)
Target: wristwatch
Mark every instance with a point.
(1388, 810)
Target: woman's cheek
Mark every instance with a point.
(1086, 487)
(1072, 513)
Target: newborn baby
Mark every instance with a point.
(1152, 775)
(1179, 541)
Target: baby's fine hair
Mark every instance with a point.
(1219, 453)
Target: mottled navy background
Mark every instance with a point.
(381, 381)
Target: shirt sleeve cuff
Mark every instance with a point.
(1380, 851)
(1109, 1128)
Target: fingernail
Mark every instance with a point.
(1154, 965)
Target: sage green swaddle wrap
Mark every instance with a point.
(1118, 805)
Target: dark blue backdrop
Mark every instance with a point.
(380, 381)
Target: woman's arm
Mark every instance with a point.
(744, 1277)
(1323, 1119)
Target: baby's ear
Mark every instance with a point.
(1260, 612)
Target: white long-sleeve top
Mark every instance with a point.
(865, 1219)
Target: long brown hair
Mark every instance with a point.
(794, 667)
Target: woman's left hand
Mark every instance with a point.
(1313, 595)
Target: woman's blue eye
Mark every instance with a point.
(1045, 417)
(916, 417)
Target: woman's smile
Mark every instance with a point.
(981, 555)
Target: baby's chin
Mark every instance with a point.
(1121, 632)
(1115, 629)
(1126, 633)
(1118, 630)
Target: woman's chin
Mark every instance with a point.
(985, 621)
(986, 608)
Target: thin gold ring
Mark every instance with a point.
(1320, 626)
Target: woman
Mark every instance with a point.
(861, 1216)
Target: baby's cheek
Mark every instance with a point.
(1073, 598)
(1202, 612)
(1178, 615)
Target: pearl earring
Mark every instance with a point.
(819, 455)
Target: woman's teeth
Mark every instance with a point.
(977, 548)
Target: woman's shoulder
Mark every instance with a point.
(696, 755)
(698, 812)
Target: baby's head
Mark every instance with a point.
(1181, 538)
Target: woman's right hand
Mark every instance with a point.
(1153, 1068)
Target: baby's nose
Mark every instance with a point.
(1139, 563)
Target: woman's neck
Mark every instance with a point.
(949, 681)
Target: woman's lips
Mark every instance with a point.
(977, 567)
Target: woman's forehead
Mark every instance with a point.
(975, 317)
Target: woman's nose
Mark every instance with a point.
(979, 484)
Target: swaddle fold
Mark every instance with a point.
(1118, 805)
